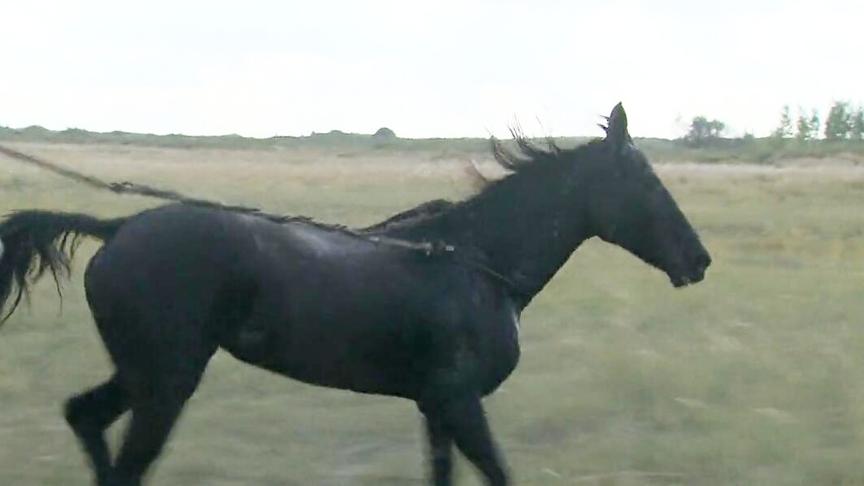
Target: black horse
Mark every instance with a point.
(423, 306)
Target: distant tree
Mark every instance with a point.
(838, 122)
(814, 124)
(807, 126)
(385, 133)
(704, 131)
(784, 129)
(802, 126)
(856, 128)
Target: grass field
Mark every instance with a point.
(753, 377)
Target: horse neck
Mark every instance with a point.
(522, 237)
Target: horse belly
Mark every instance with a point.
(340, 322)
(339, 353)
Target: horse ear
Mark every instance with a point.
(616, 133)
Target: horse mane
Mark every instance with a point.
(523, 158)
(512, 161)
(526, 154)
(418, 213)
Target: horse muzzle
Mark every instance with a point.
(695, 273)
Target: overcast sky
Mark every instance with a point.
(432, 68)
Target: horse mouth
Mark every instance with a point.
(680, 281)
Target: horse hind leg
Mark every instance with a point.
(159, 365)
(156, 400)
(151, 424)
(89, 414)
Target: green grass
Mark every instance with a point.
(755, 376)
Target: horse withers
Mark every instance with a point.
(423, 306)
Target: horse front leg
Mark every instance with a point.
(440, 448)
(460, 418)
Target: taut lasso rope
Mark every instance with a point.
(130, 188)
(115, 187)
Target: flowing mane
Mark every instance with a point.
(420, 212)
(526, 160)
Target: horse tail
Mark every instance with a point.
(32, 242)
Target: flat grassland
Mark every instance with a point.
(755, 376)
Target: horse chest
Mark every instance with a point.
(501, 355)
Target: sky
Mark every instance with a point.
(424, 69)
